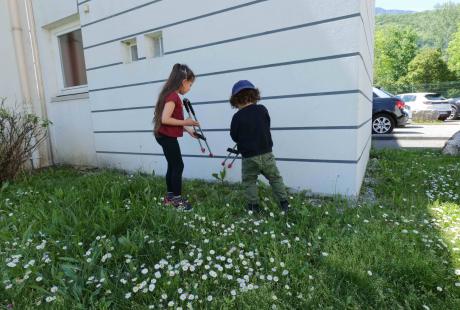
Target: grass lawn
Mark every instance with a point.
(102, 240)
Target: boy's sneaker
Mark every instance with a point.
(284, 205)
(253, 207)
(181, 204)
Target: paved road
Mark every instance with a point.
(418, 136)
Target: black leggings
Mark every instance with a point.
(173, 156)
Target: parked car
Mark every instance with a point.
(388, 112)
(428, 101)
(455, 113)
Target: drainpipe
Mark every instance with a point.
(16, 31)
(48, 149)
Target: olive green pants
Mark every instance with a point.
(264, 164)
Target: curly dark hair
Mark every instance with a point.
(244, 97)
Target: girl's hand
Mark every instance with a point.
(190, 122)
(191, 132)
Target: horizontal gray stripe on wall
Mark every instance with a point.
(281, 64)
(228, 129)
(121, 13)
(178, 23)
(248, 37)
(223, 157)
(325, 21)
(105, 66)
(333, 93)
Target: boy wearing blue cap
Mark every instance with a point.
(250, 129)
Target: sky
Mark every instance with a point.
(412, 5)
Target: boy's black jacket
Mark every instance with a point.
(250, 129)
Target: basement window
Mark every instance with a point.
(154, 44)
(130, 51)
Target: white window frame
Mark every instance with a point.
(127, 52)
(149, 39)
(62, 90)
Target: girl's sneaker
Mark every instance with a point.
(167, 201)
(181, 204)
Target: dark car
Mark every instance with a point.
(388, 112)
(455, 103)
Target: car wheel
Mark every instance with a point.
(382, 124)
(443, 118)
(453, 114)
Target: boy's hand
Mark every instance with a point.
(190, 122)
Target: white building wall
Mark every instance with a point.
(10, 86)
(72, 129)
(312, 61)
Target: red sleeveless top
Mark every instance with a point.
(178, 113)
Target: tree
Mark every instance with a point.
(444, 24)
(428, 67)
(395, 47)
(454, 54)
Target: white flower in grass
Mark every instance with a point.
(204, 277)
(127, 295)
(209, 298)
(426, 307)
(50, 298)
(144, 271)
(171, 303)
(439, 289)
(38, 279)
(213, 274)
(457, 272)
(106, 257)
(54, 289)
(275, 278)
(457, 284)
(8, 286)
(325, 254)
(285, 272)
(274, 297)
(151, 287)
(183, 297)
(157, 275)
(369, 273)
(233, 292)
(11, 264)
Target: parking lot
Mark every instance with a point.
(418, 136)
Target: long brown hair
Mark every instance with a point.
(178, 74)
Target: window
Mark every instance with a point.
(379, 93)
(434, 97)
(130, 50)
(154, 44)
(72, 59)
(409, 98)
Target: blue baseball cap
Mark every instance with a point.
(240, 85)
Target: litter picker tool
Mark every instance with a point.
(233, 151)
(194, 129)
(189, 104)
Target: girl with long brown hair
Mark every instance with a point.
(169, 124)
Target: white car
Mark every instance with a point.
(427, 101)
